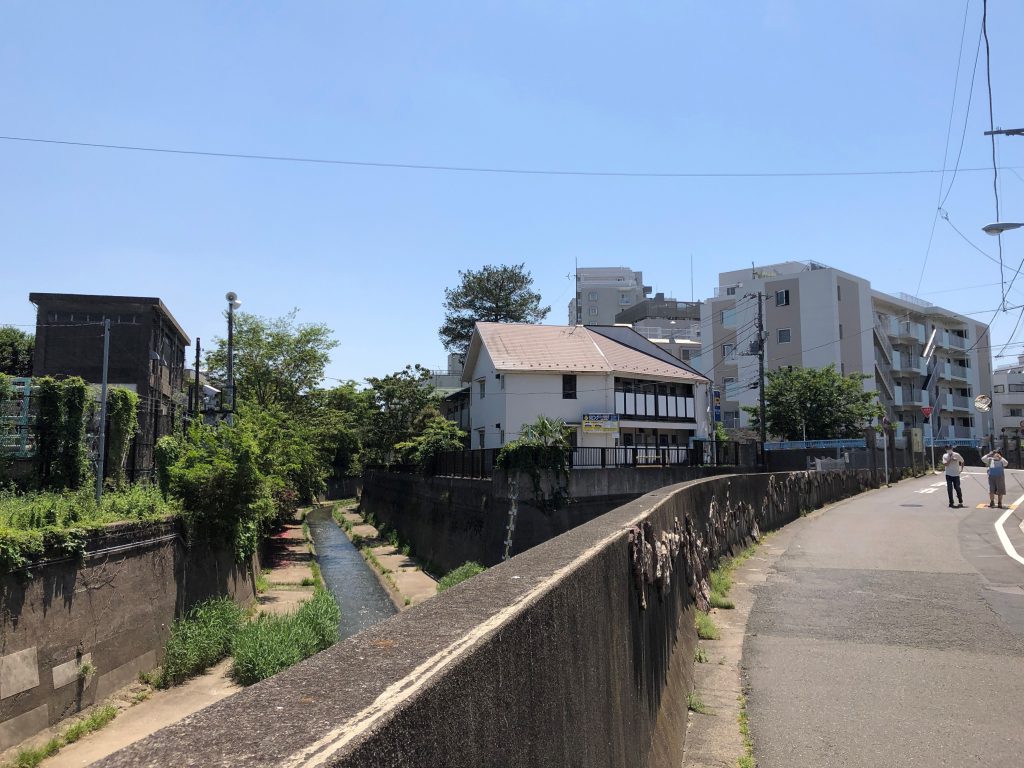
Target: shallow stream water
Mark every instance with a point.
(360, 595)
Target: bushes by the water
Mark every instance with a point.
(270, 643)
(200, 639)
(460, 574)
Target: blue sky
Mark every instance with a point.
(761, 86)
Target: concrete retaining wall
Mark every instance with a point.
(111, 609)
(451, 520)
(578, 652)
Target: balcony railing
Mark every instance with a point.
(960, 402)
(690, 332)
(629, 456)
(960, 371)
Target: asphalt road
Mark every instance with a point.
(891, 633)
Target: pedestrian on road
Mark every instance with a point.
(996, 478)
(953, 462)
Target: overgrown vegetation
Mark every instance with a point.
(200, 639)
(706, 629)
(700, 656)
(542, 453)
(36, 523)
(33, 756)
(270, 643)
(439, 435)
(123, 421)
(462, 573)
(60, 431)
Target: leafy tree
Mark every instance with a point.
(439, 435)
(16, 348)
(277, 360)
(501, 294)
(398, 403)
(123, 420)
(828, 405)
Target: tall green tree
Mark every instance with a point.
(828, 405)
(16, 348)
(401, 404)
(277, 360)
(496, 294)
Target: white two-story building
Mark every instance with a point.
(610, 383)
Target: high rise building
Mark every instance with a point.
(815, 315)
(672, 325)
(603, 292)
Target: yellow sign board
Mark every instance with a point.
(601, 422)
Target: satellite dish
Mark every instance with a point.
(983, 403)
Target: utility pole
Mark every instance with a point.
(760, 369)
(103, 413)
(198, 409)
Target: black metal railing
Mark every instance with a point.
(629, 456)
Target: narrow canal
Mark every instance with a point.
(362, 599)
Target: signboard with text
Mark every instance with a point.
(717, 401)
(604, 423)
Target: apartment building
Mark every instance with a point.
(671, 324)
(1008, 399)
(603, 292)
(816, 315)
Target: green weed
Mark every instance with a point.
(270, 644)
(747, 760)
(33, 756)
(262, 582)
(308, 581)
(700, 656)
(706, 629)
(200, 639)
(694, 704)
(459, 575)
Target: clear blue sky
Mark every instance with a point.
(763, 86)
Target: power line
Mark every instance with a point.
(489, 169)
(992, 135)
(949, 129)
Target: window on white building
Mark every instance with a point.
(1017, 411)
(782, 298)
(483, 388)
(592, 295)
(999, 389)
(593, 311)
(569, 386)
(727, 350)
(624, 299)
(784, 335)
(730, 291)
(1016, 387)
(480, 438)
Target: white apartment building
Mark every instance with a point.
(611, 384)
(815, 315)
(603, 292)
(1008, 399)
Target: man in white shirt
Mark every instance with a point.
(953, 462)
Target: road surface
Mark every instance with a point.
(891, 633)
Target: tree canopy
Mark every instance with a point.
(277, 360)
(828, 405)
(496, 294)
(401, 405)
(16, 348)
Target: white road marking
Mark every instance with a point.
(928, 490)
(938, 485)
(1001, 533)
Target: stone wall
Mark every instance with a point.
(577, 652)
(451, 520)
(111, 609)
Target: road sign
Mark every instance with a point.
(926, 410)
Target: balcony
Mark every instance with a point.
(678, 333)
(959, 402)
(960, 372)
(906, 330)
(905, 364)
(957, 342)
(908, 397)
(951, 432)
(944, 371)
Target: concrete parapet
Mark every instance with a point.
(577, 652)
(111, 608)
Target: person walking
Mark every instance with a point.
(953, 462)
(996, 478)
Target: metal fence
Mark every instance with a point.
(475, 463)
(629, 456)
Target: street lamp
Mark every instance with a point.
(233, 304)
(1001, 226)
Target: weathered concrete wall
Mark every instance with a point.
(112, 609)
(449, 520)
(578, 652)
